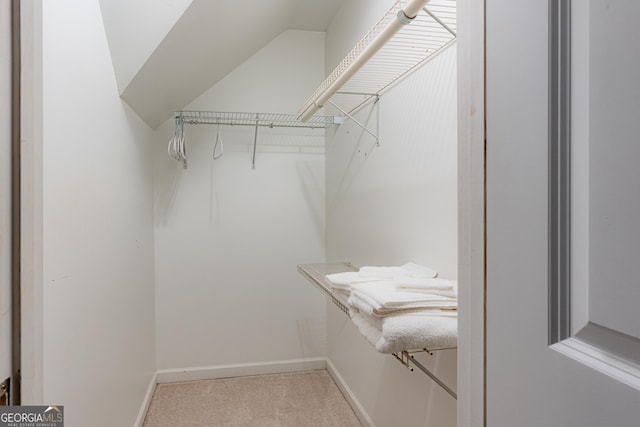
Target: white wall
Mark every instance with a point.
(387, 205)
(135, 29)
(98, 227)
(228, 238)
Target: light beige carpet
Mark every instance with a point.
(283, 400)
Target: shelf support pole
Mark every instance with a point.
(424, 369)
(255, 143)
(439, 21)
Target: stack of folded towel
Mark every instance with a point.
(341, 282)
(401, 308)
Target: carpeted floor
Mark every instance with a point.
(282, 400)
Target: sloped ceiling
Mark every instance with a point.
(167, 52)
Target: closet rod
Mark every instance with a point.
(405, 16)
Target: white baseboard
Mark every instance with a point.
(353, 401)
(147, 400)
(239, 370)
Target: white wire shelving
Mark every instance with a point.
(316, 273)
(410, 47)
(419, 40)
(177, 144)
(271, 120)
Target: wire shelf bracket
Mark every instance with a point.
(408, 357)
(376, 105)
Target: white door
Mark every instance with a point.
(563, 213)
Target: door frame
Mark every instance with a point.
(7, 143)
(471, 214)
(16, 329)
(31, 203)
(471, 203)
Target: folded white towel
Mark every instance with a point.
(365, 306)
(451, 294)
(416, 331)
(417, 270)
(368, 329)
(424, 283)
(408, 269)
(343, 281)
(358, 306)
(384, 298)
(432, 285)
(413, 331)
(370, 272)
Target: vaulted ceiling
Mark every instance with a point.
(166, 53)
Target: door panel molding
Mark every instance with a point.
(559, 170)
(572, 331)
(618, 343)
(601, 360)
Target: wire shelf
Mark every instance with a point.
(428, 33)
(271, 120)
(315, 274)
(177, 144)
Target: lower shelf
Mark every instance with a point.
(315, 273)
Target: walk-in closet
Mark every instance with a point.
(391, 213)
(223, 186)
